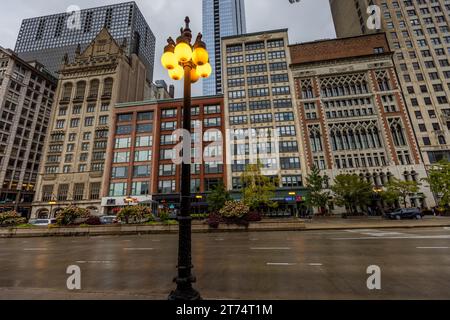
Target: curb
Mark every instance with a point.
(125, 230)
(375, 227)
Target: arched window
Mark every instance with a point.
(383, 178)
(43, 214)
(107, 87)
(414, 175)
(333, 140)
(81, 90)
(93, 88)
(67, 91)
(406, 174)
(315, 140)
(397, 134)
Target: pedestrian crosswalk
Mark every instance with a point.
(376, 233)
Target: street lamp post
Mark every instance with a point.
(191, 62)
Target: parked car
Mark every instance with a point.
(405, 213)
(108, 219)
(42, 222)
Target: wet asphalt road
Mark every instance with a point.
(415, 264)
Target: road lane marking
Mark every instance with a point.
(432, 248)
(254, 239)
(315, 264)
(138, 249)
(94, 262)
(35, 249)
(279, 248)
(280, 264)
(376, 233)
(392, 238)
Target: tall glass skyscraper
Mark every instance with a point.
(221, 18)
(48, 38)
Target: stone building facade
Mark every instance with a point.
(26, 97)
(419, 34)
(73, 161)
(352, 114)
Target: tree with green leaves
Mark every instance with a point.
(317, 197)
(389, 197)
(217, 198)
(352, 192)
(402, 189)
(439, 181)
(258, 189)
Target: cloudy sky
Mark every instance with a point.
(307, 20)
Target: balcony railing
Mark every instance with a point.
(92, 97)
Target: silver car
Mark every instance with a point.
(108, 219)
(42, 222)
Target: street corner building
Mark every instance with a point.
(353, 117)
(73, 163)
(139, 165)
(418, 33)
(261, 117)
(27, 92)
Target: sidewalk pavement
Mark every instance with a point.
(338, 223)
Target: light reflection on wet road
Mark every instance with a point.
(415, 264)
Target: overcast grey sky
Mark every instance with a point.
(307, 20)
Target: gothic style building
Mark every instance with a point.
(352, 113)
(73, 163)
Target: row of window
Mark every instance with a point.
(75, 123)
(259, 45)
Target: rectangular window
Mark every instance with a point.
(140, 156)
(140, 188)
(122, 143)
(123, 129)
(144, 141)
(145, 116)
(166, 186)
(94, 191)
(121, 157)
(118, 189)
(119, 173)
(141, 171)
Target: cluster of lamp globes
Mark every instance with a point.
(175, 57)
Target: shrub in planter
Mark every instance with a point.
(164, 215)
(71, 214)
(214, 220)
(234, 209)
(93, 221)
(135, 214)
(11, 219)
(253, 216)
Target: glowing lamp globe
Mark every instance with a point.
(205, 70)
(200, 56)
(183, 52)
(177, 73)
(194, 75)
(169, 61)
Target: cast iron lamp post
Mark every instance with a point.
(192, 62)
